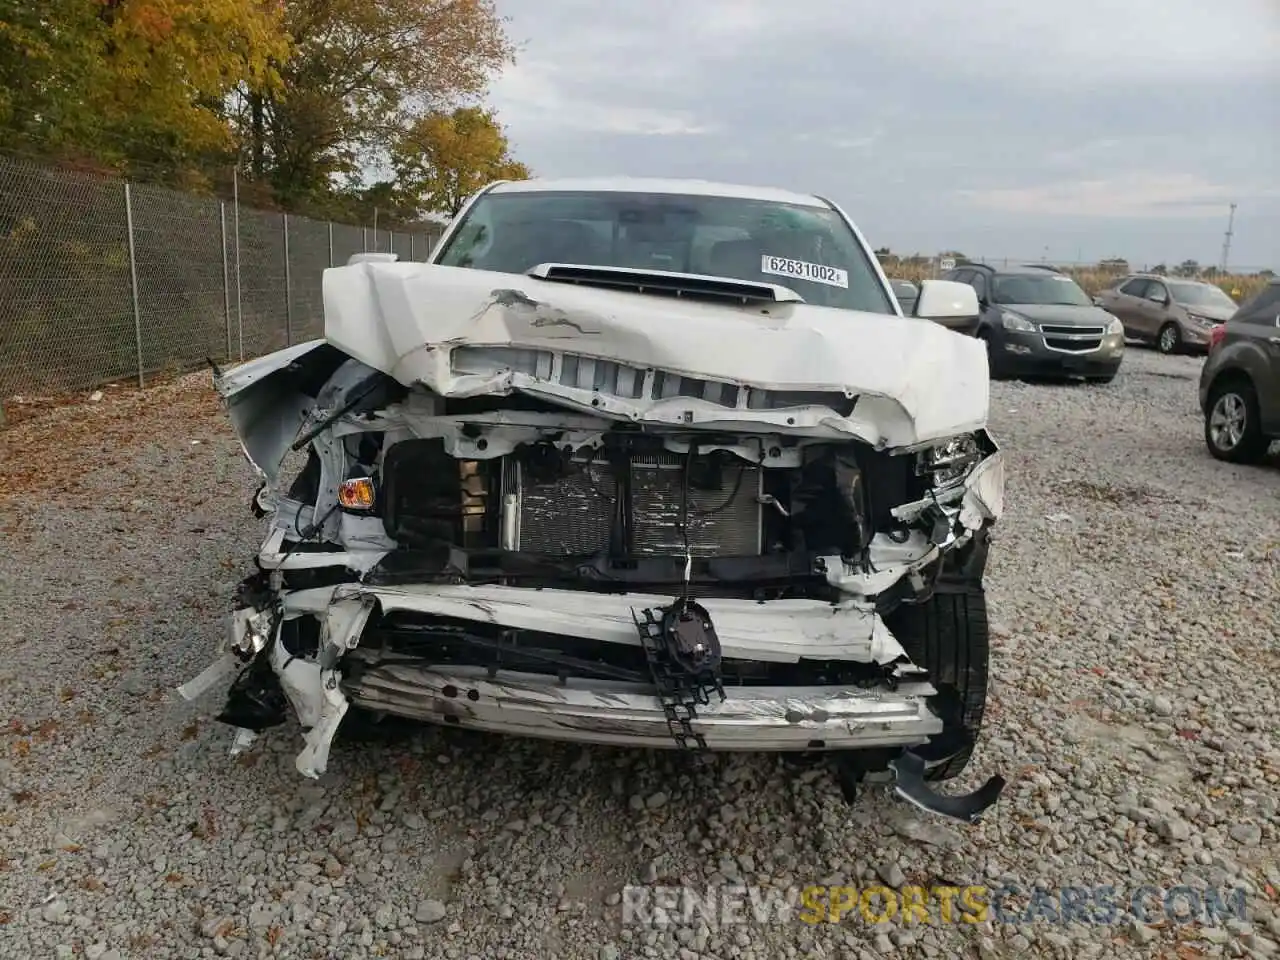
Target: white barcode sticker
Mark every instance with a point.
(803, 270)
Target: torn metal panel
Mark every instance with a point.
(409, 319)
(333, 705)
(216, 673)
(779, 631)
(983, 493)
(238, 379)
(265, 404)
(272, 400)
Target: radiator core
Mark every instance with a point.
(572, 515)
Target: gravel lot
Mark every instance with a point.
(1134, 584)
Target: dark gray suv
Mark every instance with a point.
(1240, 381)
(1037, 321)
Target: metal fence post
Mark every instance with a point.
(331, 243)
(133, 280)
(226, 275)
(288, 296)
(411, 246)
(364, 239)
(235, 181)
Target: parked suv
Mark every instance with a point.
(1240, 382)
(1176, 315)
(1037, 320)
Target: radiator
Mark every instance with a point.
(572, 515)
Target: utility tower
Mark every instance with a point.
(1226, 238)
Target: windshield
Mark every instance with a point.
(1200, 295)
(1052, 288)
(811, 250)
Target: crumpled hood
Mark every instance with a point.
(914, 380)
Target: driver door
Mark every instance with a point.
(1149, 313)
(1126, 303)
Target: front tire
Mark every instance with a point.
(949, 636)
(994, 369)
(1169, 339)
(1233, 423)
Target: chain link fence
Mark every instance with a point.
(102, 280)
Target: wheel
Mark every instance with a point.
(1169, 339)
(1233, 425)
(949, 636)
(993, 368)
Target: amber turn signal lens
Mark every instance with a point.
(356, 494)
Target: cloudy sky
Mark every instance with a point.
(998, 127)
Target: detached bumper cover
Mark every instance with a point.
(751, 718)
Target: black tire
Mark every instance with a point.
(1169, 339)
(993, 367)
(950, 637)
(1252, 445)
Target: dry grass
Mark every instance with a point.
(1239, 287)
(58, 442)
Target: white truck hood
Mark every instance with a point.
(789, 367)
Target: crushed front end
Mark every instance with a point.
(516, 565)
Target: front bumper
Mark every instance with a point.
(1025, 354)
(1195, 338)
(893, 710)
(765, 719)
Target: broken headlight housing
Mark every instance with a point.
(358, 494)
(948, 463)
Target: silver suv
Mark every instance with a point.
(1177, 316)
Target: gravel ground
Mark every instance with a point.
(1134, 585)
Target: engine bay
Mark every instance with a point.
(505, 497)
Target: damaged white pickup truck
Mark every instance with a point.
(630, 462)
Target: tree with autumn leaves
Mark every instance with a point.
(302, 95)
(443, 158)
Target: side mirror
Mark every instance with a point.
(946, 300)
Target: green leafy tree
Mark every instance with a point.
(133, 81)
(360, 74)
